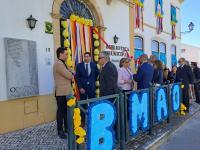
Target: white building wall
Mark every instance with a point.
(150, 34)
(190, 53)
(13, 24)
(13, 14)
(116, 20)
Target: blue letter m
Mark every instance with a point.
(139, 111)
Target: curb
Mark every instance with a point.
(165, 136)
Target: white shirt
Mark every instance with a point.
(89, 68)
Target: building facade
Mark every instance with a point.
(166, 43)
(28, 55)
(190, 53)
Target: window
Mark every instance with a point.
(138, 42)
(139, 48)
(155, 46)
(173, 50)
(162, 51)
(173, 55)
(159, 50)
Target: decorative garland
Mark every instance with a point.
(183, 108)
(78, 130)
(96, 56)
(159, 14)
(173, 21)
(139, 13)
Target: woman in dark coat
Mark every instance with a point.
(158, 73)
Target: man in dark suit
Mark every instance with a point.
(108, 76)
(196, 72)
(86, 75)
(144, 74)
(184, 75)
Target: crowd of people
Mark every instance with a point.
(151, 72)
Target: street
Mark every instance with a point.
(186, 137)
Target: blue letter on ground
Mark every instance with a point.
(175, 97)
(161, 109)
(139, 111)
(101, 118)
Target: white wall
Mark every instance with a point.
(116, 20)
(150, 34)
(13, 24)
(191, 53)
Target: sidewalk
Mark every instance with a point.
(45, 136)
(186, 137)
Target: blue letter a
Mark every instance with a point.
(161, 109)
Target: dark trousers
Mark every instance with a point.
(88, 93)
(197, 92)
(185, 94)
(61, 115)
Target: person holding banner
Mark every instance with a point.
(63, 89)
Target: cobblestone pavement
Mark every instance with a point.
(44, 137)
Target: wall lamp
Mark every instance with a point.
(31, 22)
(190, 27)
(115, 39)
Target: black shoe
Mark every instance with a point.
(62, 135)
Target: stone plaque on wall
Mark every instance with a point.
(21, 68)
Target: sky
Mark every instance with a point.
(190, 12)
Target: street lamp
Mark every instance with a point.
(190, 27)
(31, 22)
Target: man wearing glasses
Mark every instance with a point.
(86, 75)
(108, 76)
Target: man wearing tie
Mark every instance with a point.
(86, 75)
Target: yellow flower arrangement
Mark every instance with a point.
(88, 22)
(98, 66)
(97, 83)
(96, 51)
(69, 62)
(66, 43)
(82, 20)
(74, 17)
(71, 102)
(97, 91)
(159, 15)
(64, 24)
(78, 130)
(69, 51)
(77, 111)
(183, 108)
(65, 33)
(80, 140)
(95, 36)
(173, 22)
(96, 43)
(96, 58)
